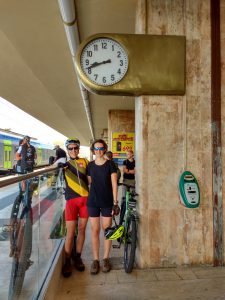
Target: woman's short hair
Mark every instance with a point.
(101, 142)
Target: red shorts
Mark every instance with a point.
(75, 207)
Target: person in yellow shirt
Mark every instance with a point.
(76, 193)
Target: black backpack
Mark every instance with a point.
(27, 158)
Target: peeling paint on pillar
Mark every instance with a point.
(217, 196)
(216, 133)
(145, 131)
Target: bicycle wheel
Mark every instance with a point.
(130, 244)
(21, 259)
(13, 223)
(16, 207)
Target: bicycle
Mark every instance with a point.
(126, 231)
(21, 220)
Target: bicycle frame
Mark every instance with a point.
(128, 210)
(129, 237)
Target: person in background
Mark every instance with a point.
(102, 200)
(109, 156)
(17, 166)
(28, 155)
(76, 193)
(60, 155)
(128, 173)
(129, 168)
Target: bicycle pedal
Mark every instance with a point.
(116, 246)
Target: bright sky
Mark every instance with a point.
(15, 119)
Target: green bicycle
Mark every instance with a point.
(126, 231)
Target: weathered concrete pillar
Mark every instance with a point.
(173, 134)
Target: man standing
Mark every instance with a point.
(76, 192)
(60, 153)
(129, 169)
(28, 155)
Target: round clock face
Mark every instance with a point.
(104, 61)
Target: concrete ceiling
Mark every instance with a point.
(36, 68)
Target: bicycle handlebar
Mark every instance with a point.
(127, 185)
(133, 193)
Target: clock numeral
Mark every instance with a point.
(96, 76)
(87, 62)
(112, 47)
(121, 63)
(118, 54)
(89, 70)
(104, 45)
(104, 79)
(95, 47)
(89, 53)
(112, 77)
(119, 71)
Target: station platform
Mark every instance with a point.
(181, 283)
(196, 283)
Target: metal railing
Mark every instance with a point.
(7, 180)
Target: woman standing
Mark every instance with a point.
(102, 201)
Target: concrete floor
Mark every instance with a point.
(196, 283)
(183, 283)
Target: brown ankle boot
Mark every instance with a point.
(67, 268)
(95, 267)
(106, 267)
(78, 263)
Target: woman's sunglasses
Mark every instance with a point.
(72, 148)
(99, 148)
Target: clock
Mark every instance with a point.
(104, 61)
(132, 64)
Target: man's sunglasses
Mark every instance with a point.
(99, 148)
(73, 148)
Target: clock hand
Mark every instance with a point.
(106, 61)
(96, 64)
